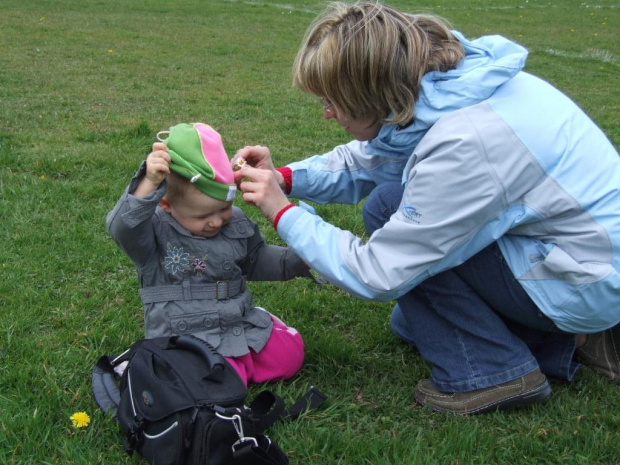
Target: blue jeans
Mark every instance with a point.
(474, 323)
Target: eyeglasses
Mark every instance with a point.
(326, 104)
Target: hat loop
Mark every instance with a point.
(162, 132)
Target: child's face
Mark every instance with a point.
(198, 213)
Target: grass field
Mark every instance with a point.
(84, 87)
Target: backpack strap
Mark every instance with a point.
(105, 387)
(309, 401)
(269, 408)
(104, 379)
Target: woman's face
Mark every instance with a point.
(362, 130)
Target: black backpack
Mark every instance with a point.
(180, 402)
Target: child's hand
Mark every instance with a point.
(158, 164)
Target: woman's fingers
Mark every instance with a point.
(255, 155)
(260, 188)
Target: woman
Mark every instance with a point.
(500, 242)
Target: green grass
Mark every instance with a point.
(86, 84)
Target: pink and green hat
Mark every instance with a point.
(198, 154)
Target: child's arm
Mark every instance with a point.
(271, 262)
(131, 222)
(157, 166)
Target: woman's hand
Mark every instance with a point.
(260, 188)
(258, 156)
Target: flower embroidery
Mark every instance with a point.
(198, 265)
(80, 419)
(176, 259)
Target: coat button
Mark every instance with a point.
(208, 322)
(181, 326)
(237, 331)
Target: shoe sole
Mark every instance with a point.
(537, 395)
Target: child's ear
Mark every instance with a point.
(165, 205)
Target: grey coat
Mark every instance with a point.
(191, 284)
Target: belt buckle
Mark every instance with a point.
(218, 285)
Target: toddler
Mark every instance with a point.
(193, 252)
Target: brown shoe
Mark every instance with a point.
(528, 389)
(601, 353)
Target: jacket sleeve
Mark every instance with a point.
(130, 223)
(271, 262)
(345, 175)
(452, 207)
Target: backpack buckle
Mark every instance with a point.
(238, 425)
(243, 442)
(133, 437)
(236, 421)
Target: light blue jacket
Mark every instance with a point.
(493, 154)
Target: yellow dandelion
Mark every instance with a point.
(80, 419)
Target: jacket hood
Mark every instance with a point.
(489, 62)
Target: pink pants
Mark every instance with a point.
(281, 358)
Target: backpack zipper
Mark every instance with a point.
(167, 430)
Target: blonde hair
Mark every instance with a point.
(368, 59)
(178, 187)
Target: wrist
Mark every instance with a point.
(281, 212)
(285, 178)
(145, 187)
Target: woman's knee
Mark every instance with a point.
(381, 204)
(400, 326)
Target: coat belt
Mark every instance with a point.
(220, 290)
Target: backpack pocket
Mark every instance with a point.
(163, 442)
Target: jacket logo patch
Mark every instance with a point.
(412, 214)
